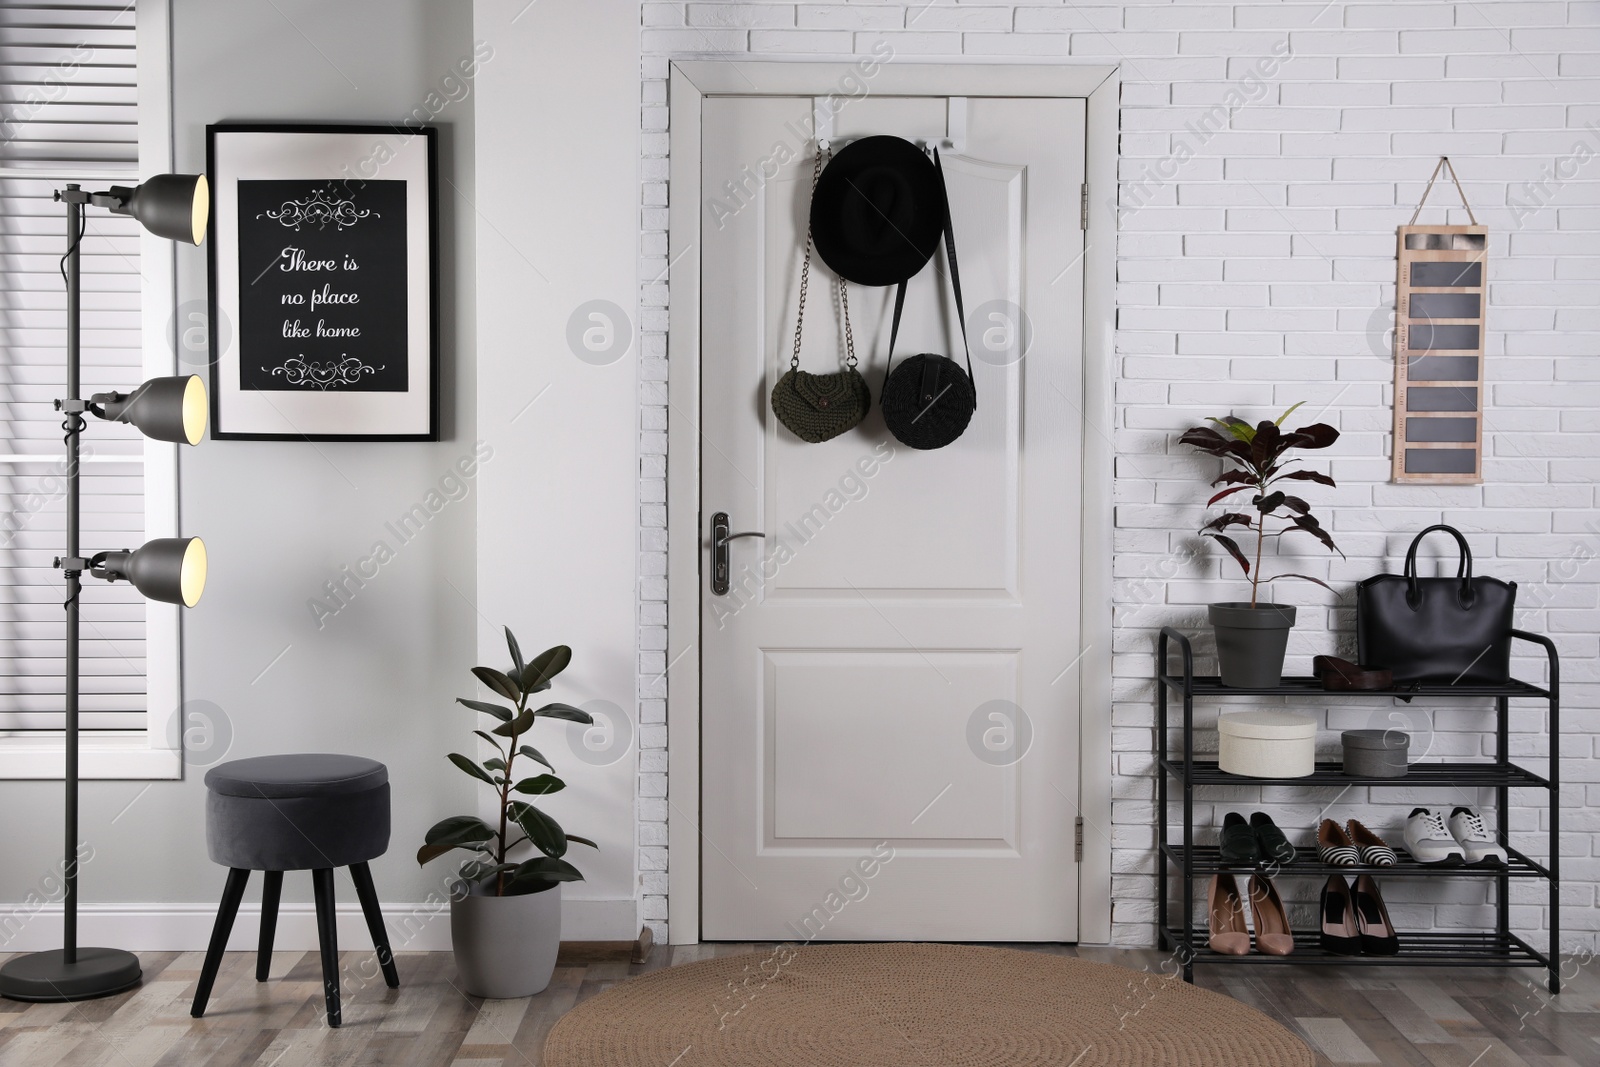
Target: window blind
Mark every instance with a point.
(68, 112)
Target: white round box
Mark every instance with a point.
(1267, 744)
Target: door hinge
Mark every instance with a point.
(1083, 206)
(1077, 839)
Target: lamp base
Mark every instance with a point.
(46, 976)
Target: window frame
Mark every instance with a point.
(158, 753)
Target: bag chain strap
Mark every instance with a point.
(805, 280)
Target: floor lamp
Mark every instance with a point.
(170, 569)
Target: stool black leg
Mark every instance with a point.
(270, 893)
(322, 887)
(232, 893)
(361, 875)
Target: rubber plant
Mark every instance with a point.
(520, 821)
(1259, 458)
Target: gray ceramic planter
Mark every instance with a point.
(1251, 642)
(506, 947)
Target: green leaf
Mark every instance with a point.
(516, 653)
(491, 740)
(545, 833)
(544, 869)
(471, 768)
(494, 764)
(582, 841)
(534, 754)
(1241, 430)
(1286, 414)
(458, 831)
(541, 785)
(503, 714)
(517, 726)
(545, 666)
(568, 712)
(498, 682)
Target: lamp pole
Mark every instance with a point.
(69, 918)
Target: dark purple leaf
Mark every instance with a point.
(1227, 519)
(1266, 444)
(1303, 577)
(1311, 526)
(1233, 549)
(1229, 492)
(1306, 476)
(1294, 503)
(1234, 478)
(1317, 435)
(1267, 504)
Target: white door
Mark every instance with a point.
(889, 733)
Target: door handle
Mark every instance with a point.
(719, 551)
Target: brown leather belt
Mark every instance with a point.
(1340, 675)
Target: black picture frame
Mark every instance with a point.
(352, 157)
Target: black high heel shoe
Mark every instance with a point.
(1341, 932)
(1372, 918)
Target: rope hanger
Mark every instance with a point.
(1444, 162)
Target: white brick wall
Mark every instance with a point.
(1261, 274)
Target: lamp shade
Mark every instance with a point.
(174, 206)
(169, 569)
(164, 409)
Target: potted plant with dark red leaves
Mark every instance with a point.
(505, 913)
(1253, 637)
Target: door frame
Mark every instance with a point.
(690, 82)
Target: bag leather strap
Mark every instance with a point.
(955, 282)
(1464, 596)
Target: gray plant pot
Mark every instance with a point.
(1251, 642)
(506, 947)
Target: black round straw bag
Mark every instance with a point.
(928, 400)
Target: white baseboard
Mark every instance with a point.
(187, 927)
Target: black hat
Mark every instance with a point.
(878, 211)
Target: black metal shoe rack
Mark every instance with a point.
(1188, 862)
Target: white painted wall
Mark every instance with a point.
(559, 517)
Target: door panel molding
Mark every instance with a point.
(690, 82)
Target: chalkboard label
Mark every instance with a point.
(322, 273)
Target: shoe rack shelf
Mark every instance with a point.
(1186, 862)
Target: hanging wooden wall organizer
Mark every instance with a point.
(1440, 304)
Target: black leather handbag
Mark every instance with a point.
(928, 400)
(1448, 631)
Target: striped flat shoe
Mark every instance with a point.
(1374, 853)
(1334, 846)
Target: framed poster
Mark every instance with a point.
(324, 271)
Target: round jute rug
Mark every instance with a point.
(888, 1005)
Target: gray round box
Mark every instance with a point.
(1376, 753)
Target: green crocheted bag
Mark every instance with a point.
(819, 407)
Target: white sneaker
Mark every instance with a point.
(1429, 840)
(1467, 827)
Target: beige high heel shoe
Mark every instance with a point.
(1273, 936)
(1228, 934)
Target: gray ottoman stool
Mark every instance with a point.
(304, 811)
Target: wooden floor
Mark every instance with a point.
(1429, 1018)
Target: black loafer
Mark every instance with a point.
(1270, 840)
(1238, 842)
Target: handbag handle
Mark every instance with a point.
(805, 283)
(955, 281)
(1465, 595)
